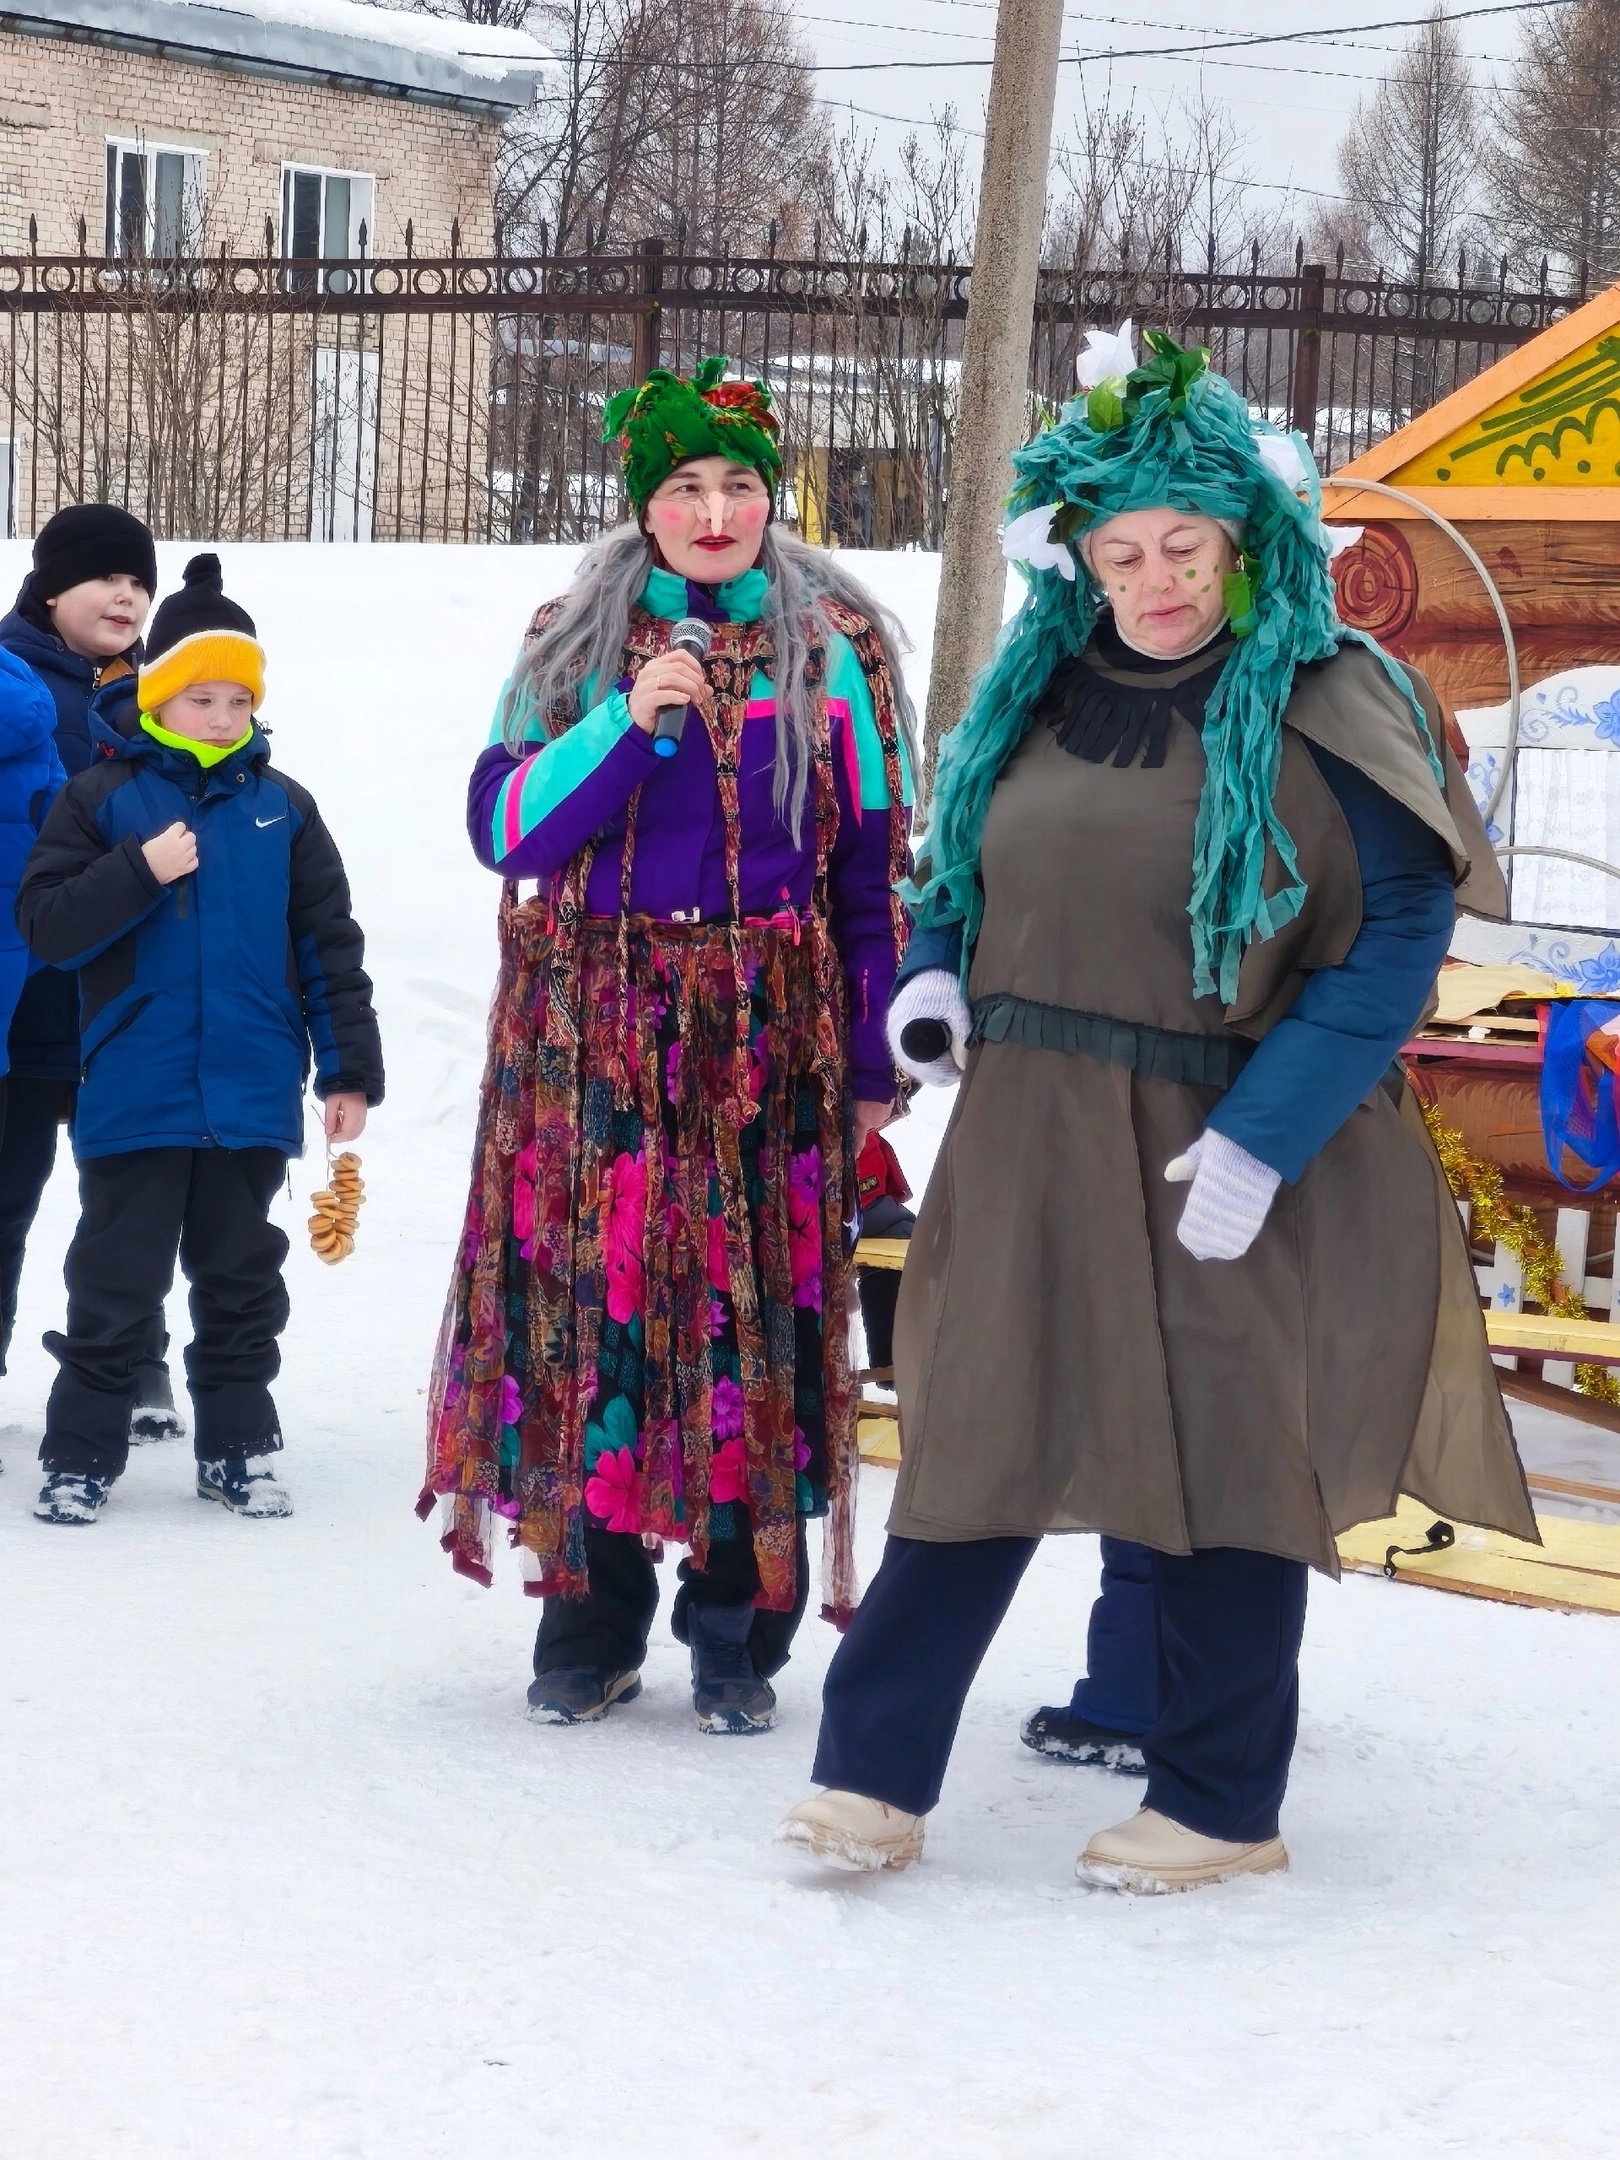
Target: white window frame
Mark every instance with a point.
(362, 212)
(193, 185)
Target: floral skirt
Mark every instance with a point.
(647, 1328)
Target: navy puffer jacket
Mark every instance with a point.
(201, 1001)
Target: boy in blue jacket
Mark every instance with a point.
(203, 902)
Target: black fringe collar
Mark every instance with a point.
(1113, 703)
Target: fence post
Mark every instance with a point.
(649, 324)
(1308, 350)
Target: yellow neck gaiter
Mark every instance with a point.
(206, 754)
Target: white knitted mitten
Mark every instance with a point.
(1231, 1196)
(931, 994)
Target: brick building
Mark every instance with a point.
(138, 131)
(316, 115)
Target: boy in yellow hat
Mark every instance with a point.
(203, 902)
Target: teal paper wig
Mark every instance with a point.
(1171, 433)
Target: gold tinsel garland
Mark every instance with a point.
(1514, 1225)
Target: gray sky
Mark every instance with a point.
(1292, 102)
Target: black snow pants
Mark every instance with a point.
(137, 1211)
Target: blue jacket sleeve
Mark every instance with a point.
(1331, 1050)
(932, 944)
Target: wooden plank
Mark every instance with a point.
(1570, 1238)
(1567, 1401)
(1589, 1342)
(1575, 1569)
(1343, 503)
(1564, 1488)
(878, 1439)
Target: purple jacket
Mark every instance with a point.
(530, 814)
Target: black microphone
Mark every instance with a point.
(925, 1042)
(690, 635)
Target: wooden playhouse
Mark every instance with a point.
(1525, 461)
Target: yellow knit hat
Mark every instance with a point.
(199, 636)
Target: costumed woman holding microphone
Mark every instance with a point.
(704, 757)
(1187, 1271)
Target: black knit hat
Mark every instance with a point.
(91, 540)
(197, 635)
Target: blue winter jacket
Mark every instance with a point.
(30, 775)
(201, 1001)
(45, 1029)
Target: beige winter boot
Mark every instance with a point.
(1151, 1854)
(849, 1831)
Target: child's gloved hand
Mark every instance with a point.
(345, 1117)
(1231, 1196)
(928, 1026)
(172, 854)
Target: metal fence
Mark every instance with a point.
(452, 398)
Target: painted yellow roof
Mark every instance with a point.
(1536, 435)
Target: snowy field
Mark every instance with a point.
(286, 1875)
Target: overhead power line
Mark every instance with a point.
(1170, 52)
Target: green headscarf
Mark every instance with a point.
(664, 422)
(1168, 433)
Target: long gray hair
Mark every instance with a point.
(585, 642)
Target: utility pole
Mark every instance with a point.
(995, 350)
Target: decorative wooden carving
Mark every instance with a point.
(1378, 583)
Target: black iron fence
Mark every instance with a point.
(459, 399)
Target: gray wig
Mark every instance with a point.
(585, 642)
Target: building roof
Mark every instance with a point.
(1537, 436)
(344, 43)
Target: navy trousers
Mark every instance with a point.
(1229, 1628)
(1120, 1686)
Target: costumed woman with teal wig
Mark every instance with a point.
(1187, 1271)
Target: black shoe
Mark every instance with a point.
(575, 1694)
(154, 1416)
(69, 1496)
(727, 1693)
(1057, 1731)
(245, 1484)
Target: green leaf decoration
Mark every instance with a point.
(1068, 519)
(1238, 590)
(1105, 409)
(1171, 368)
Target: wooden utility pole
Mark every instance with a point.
(995, 350)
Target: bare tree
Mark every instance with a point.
(877, 457)
(1410, 159)
(681, 117)
(1552, 158)
(496, 14)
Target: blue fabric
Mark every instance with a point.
(45, 1026)
(1328, 1053)
(931, 945)
(1229, 1632)
(1120, 1689)
(200, 1018)
(1577, 1099)
(30, 775)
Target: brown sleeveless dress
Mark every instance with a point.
(1062, 1362)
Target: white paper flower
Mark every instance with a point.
(1028, 539)
(1108, 357)
(1279, 454)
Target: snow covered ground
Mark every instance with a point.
(286, 1875)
